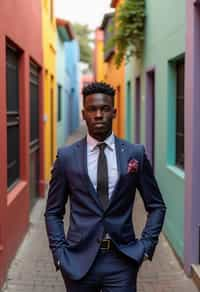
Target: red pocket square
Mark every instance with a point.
(133, 166)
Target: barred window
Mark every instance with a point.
(13, 129)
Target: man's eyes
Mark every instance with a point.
(94, 109)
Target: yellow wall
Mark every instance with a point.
(49, 52)
(116, 77)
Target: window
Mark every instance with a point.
(59, 117)
(180, 113)
(13, 131)
(106, 26)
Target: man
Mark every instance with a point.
(100, 174)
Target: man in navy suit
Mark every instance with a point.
(100, 174)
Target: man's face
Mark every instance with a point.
(98, 113)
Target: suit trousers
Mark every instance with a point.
(111, 271)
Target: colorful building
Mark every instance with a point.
(64, 34)
(164, 104)
(162, 112)
(21, 122)
(114, 76)
(192, 140)
(50, 100)
(72, 52)
(160, 96)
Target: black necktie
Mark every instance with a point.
(102, 176)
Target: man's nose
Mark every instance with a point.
(99, 113)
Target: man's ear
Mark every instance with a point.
(83, 114)
(114, 113)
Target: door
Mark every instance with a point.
(34, 133)
(137, 109)
(128, 107)
(150, 114)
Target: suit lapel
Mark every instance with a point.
(120, 147)
(81, 156)
(121, 156)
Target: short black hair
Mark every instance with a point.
(98, 87)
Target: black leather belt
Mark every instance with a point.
(107, 244)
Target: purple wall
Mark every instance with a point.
(192, 135)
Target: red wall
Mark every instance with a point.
(20, 22)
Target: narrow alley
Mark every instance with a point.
(32, 270)
(147, 54)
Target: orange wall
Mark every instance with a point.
(116, 77)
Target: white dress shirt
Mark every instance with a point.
(92, 160)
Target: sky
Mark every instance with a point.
(89, 12)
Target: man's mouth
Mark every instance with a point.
(99, 124)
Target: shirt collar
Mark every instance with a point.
(92, 142)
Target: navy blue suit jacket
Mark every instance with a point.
(77, 250)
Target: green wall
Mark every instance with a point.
(164, 42)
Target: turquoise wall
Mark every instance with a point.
(164, 42)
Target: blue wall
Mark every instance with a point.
(73, 72)
(69, 81)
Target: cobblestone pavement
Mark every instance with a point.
(32, 270)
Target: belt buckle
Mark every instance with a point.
(108, 243)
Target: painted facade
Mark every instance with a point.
(72, 52)
(153, 102)
(64, 34)
(115, 76)
(21, 142)
(50, 101)
(192, 137)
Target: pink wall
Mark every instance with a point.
(20, 22)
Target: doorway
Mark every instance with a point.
(34, 133)
(150, 114)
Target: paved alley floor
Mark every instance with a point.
(32, 270)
